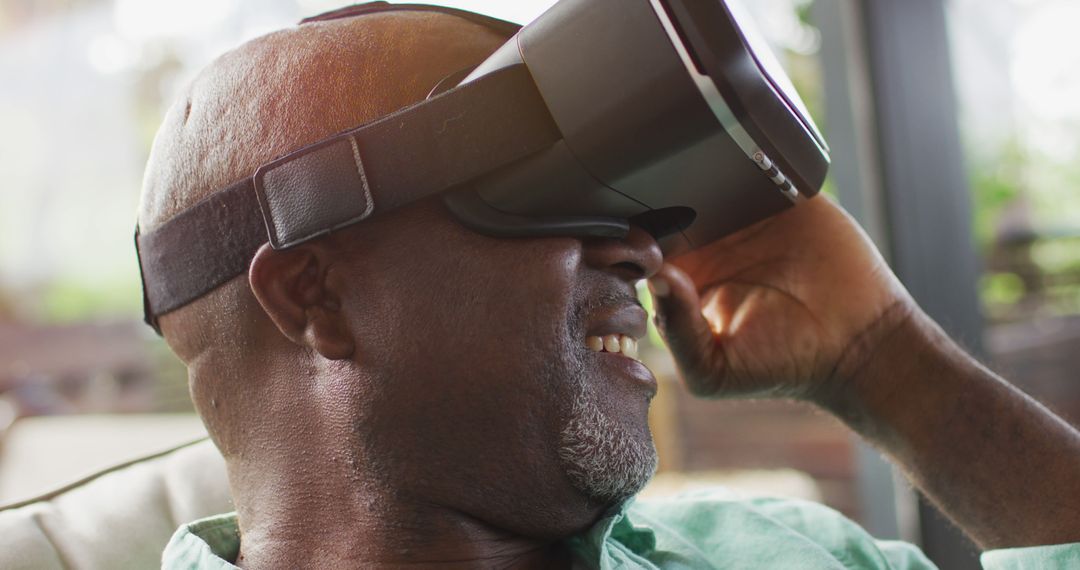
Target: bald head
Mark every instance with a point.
(294, 87)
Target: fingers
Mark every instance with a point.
(688, 335)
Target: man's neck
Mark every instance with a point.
(290, 524)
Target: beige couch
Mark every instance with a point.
(118, 518)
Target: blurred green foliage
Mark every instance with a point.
(1037, 195)
(996, 182)
(1060, 255)
(1002, 288)
(66, 301)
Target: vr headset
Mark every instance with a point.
(667, 114)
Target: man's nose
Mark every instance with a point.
(634, 257)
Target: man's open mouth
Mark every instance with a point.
(614, 343)
(616, 329)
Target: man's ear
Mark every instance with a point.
(293, 289)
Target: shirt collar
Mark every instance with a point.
(211, 544)
(614, 526)
(214, 543)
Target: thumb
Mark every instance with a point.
(688, 335)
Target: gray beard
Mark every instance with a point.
(602, 459)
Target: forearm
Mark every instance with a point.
(1002, 466)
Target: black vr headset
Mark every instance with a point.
(667, 114)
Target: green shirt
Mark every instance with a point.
(713, 529)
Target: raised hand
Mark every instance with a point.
(785, 308)
(803, 306)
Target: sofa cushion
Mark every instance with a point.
(118, 518)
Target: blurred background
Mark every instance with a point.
(955, 126)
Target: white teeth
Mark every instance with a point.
(614, 343)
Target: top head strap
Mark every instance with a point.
(502, 26)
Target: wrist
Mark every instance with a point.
(880, 370)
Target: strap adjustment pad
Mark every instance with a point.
(313, 191)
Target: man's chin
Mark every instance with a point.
(603, 458)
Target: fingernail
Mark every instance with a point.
(659, 287)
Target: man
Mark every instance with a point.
(408, 393)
